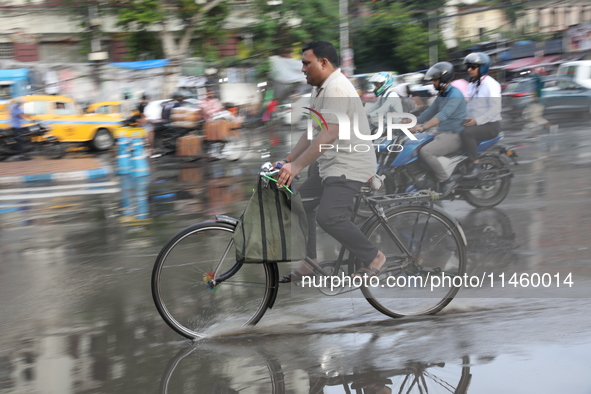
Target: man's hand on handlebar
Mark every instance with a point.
(287, 174)
(417, 129)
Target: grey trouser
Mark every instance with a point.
(443, 144)
(331, 211)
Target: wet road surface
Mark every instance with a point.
(78, 317)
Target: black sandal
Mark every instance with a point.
(294, 276)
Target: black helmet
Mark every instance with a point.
(444, 71)
(178, 94)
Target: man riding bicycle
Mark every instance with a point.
(340, 172)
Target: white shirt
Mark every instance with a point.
(338, 93)
(484, 101)
(390, 101)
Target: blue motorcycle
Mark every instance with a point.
(402, 171)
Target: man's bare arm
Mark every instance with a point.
(302, 144)
(327, 136)
(311, 153)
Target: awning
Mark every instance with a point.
(18, 74)
(142, 65)
(531, 61)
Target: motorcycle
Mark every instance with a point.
(402, 171)
(36, 140)
(166, 136)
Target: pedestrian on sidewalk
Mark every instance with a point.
(16, 117)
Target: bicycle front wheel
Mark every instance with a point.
(187, 289)
(425, 262)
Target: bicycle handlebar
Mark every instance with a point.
(268, 171)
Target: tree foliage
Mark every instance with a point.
(381, 44)
(201, 20)
(143, 45)
(285, 27)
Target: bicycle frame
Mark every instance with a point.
(375, 204)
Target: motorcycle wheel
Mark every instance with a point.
(489, 193)
(5, 151)
(54, 151)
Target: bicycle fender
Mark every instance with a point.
(275, 288)
(273, 266)
(227, 220)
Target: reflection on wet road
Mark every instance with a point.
(78, 317)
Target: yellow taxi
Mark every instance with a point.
(68, 122)
(113, 108)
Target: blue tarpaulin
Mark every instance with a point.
(142, 65)
(18, 79)
(18, 74)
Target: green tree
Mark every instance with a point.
(144, 45)
(196, 17)
(384, 41)
(284, 28)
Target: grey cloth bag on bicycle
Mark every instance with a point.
(273, 228)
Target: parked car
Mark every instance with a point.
(516, 96)
(579, 71)
(68, 122)
(559, 95)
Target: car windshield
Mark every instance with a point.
(65, 108)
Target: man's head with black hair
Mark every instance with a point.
(319, 60)
(323, 49)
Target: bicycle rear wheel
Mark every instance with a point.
(186, 297)
(437, 257)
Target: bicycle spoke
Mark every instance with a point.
(438, 249)
(441, 382)
(186, 297)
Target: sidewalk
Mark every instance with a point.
(41, 170)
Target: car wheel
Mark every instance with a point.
(103, 140)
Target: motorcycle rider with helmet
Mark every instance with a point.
(484, 108)
(448, 111)
(388, 99)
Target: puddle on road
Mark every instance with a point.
(78, 315)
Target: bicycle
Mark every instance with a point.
(411, 377)
(195, 287)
